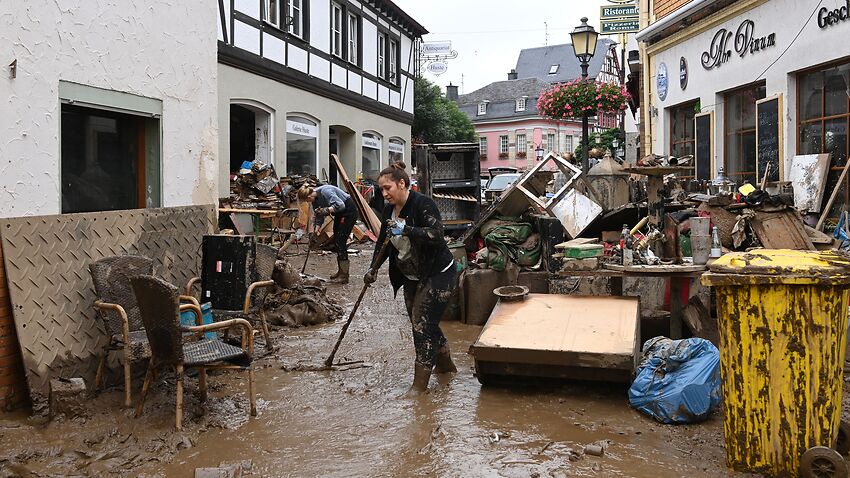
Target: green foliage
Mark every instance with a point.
(607, 142)
(436, 119)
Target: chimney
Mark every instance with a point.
(512, 74)
(451, 92)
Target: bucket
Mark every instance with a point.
(700, 249)
(700, 226)
(187, 318)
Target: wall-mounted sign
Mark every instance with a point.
(745, 41)
(683, 73)
(827, 17)
(373, 143)
(617, 11)
(437, 68)
(436, 48)
(303, 129)
(619, 25)
(662, 81)
(395, 147)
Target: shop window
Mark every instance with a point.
(302, 153)
(110, 160)
(740, 132)
(824, 118)
(371, 156)
(396, 150)
(682, 139)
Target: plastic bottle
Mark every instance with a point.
(716, 250)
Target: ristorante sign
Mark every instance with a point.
(744, 40)
(827, 17)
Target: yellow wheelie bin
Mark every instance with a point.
(782, 316)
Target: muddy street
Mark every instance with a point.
(349, 422)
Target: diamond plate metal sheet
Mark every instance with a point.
(47, 260)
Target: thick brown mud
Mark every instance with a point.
(349, 421)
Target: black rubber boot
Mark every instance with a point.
(341, 276)
(421, 377)
(444, 361)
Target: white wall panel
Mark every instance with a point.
(370, 47)
(395, 99)
(246, 37)
(320, 68)
(320, 20)
(354, 82)
(407, 95)
(370, 14)
(248, 7)
(274, 48)
(297, 58)
(383, 94)
(339, 75)
(370, 89)
(406, 54)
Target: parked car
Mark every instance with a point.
(498, 184)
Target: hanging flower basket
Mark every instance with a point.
(572, 99)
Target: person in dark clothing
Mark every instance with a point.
(332, 200)
(421, 263)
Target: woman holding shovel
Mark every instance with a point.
(332, 200)
(420, 262)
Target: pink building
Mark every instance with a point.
(505, 114)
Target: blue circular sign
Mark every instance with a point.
(662, 81)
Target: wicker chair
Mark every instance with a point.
(255, 294)
(116, 306)
(159, 307)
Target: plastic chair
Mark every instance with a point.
(159, 306)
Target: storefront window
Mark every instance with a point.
(302, 154)
(371, 156)
(740, 131)
(682, 129)
(824, 110)
(396, 149)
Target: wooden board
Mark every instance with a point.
(658, 269)
(561, 331)
(769, 138)
(366, 213)
(808, 177)
(781, 230)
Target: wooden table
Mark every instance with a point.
(259, 214)
(677, 274)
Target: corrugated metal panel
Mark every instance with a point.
(47, 259)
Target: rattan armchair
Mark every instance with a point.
(255, 294)
(159, 307)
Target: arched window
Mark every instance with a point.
(372, 146)
(396, 149)
(302, 146)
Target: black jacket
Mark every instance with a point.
(425, 230)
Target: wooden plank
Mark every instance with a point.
(366, 213)
(552, 329)
(781, 230)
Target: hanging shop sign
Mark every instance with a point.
(744, 41)
(437, 68)
(436, 48)
(683, 73)
(617, 11)
(827, 17)
(662, 81)
(619, 25)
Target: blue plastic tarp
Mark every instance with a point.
(677, 381)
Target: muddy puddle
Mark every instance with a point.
(351, 423)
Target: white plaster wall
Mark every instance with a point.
(814, 46)
(163, 49)
(284, 100)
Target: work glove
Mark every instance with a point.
(396, 228)
(370, 277)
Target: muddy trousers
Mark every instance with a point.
(343, 225)
(425, 304)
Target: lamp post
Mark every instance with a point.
(538, 152)
(584, 45)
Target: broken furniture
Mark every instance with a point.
(249, 221)
(654, 186)
(560, 336)
(451, 174)
(235, 273)
(160, 308)
(117, 307)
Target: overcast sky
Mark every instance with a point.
(489, 34)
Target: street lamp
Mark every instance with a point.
(584, 45)
(538, 152)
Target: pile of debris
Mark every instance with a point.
(296, 301)
(257, 186)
